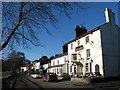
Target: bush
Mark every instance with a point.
(98, 75)
(91, 75)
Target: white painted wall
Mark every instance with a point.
(37, 65)
(52, 62)
(59, 61)
(95, 50)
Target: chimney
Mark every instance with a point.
(80, 30)
(65, 48)
(110, 16)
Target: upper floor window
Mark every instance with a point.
(65, 59)
(71, 45)
(78, 42)
(87, 39)
(57, 61)
(88, 53)
(53, 62)
(79, 56)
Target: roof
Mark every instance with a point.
(89, 32)
(60, 55)
(56, 65)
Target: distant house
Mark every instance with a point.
(97, 50)
(23, 69)
(36, 65)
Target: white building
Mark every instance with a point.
(95, 51)
(59, 64)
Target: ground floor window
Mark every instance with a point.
(97, 68)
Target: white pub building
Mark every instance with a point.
(97, 50)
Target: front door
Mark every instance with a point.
(79, 69)
(97, 69)
(74, 69)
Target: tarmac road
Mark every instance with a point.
(23, 82)
(27, 82)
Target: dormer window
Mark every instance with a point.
(87, 39)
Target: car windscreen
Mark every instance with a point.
(35, 73)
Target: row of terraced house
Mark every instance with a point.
(97, 50)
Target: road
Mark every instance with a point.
(23, 82)
(26, 82)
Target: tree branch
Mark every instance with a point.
(28, 39)
(14, 29)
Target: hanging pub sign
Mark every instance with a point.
(79, 48)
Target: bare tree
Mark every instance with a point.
(19, 20)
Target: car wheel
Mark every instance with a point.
(44, 80)
(47, 80)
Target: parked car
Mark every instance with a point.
(36, 75)
(50, 77)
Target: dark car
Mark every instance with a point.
(50, 77)
(66, 76)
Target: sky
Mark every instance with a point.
(91, 17)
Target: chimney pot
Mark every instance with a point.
(109, 15)
(80, 30)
